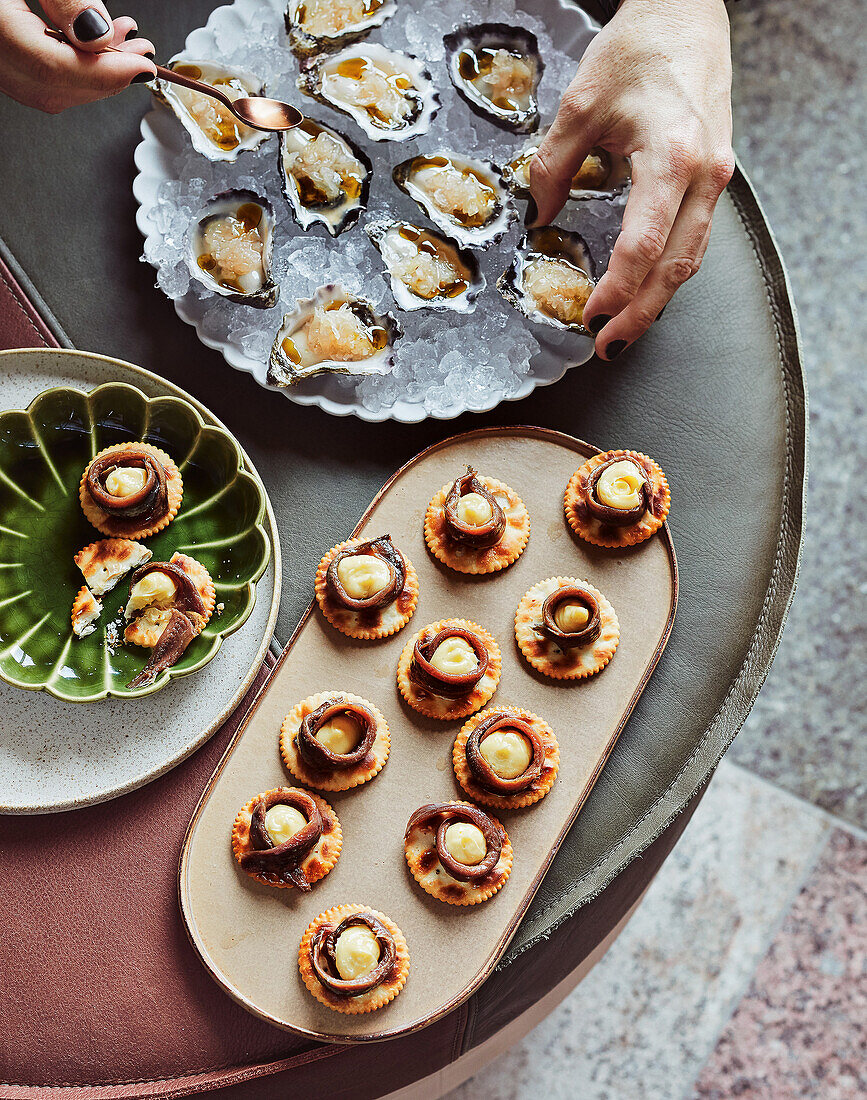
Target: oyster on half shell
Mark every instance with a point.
(316, 26)
(213, 129)
(497, 69)
(551, 278)
(230, 246)
(466, 198)
(325, 177)
(602, 175)
(334, 331)
(427, 271)
(390, 95)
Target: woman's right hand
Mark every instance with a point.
(40, 72)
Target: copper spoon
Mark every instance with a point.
(255, 111)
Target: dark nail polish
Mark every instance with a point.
(89, 25)
(142, 78)
(532, 212)
(131, 34)
(614, 349)
(597, 323)
(150, 54)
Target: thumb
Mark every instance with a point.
(86, 23)
(559, 156)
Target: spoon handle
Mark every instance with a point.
(162, 72)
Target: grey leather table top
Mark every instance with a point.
(715, 393)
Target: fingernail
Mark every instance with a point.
(152, 55)
(532, 212)
(664, 308)
(131, 34)
(142, 78)
(614, 349)
(597, 323)
(89, 25)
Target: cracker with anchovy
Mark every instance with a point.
(334, 741)
(287, 838)
(617, 499)
(450, 669)
(566, 628)
(131, 490)
(457, 852)
(476, 524)
(506, 757)
(353, 959)
(366, 588)
(169, 605)
(151, 601)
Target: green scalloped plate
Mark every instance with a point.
(43, 452)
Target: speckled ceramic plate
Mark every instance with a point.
(53, 756)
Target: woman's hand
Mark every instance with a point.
(49, 75)
(655, 85)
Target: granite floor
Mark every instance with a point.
(744, 972)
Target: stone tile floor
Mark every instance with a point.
(744, 972)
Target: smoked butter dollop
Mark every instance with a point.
(571, 616)
(474, 510)
(454, 656)
(362, 575)
(465, 843)
(340, 734)
(356, 952)
(619, 486)
(283, 822)
(153, 590)
(507, 753)
(125, 481)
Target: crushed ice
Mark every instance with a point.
(497, 344)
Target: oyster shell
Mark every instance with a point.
(390, 95)
(325, 177)
(603, 175)
(316, 26)
(332, 331)
(497, 69)
(551, 278)
(466, 198)
(213, 129)
(427, 271)
(230, 246)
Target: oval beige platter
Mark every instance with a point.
(247, 935)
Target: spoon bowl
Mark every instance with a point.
(270, 115)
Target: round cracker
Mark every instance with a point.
(436, 706)
(374, 998)
(135, 634)
(546, 656)
(464, 559)
(379, 622)
(591, 529)
(424, 864)
(131, 528)
(342, 779)
(318, 861)
(519, 799)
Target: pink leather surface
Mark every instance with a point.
(98, 982)
(20, 324)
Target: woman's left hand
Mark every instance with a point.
(654, 85)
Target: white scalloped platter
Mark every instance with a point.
(471, 367)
